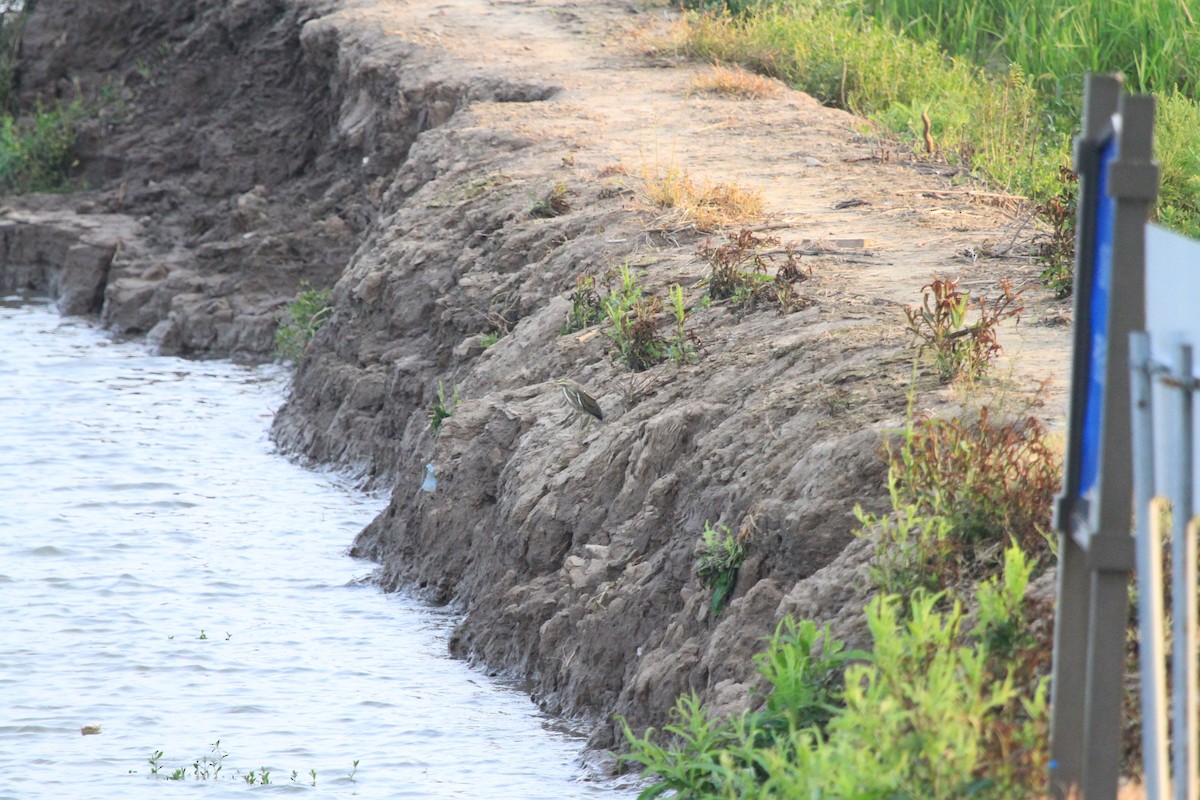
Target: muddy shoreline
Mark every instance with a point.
(393, 152)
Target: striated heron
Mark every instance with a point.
(579, 399)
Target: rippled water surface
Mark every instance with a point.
(165, 576)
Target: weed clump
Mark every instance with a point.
(633, 317)
(735, 82)
(587, 308)
(553, 204)
(960, 490)
(36, 152)
(738, 272)
(1056, 250)
(633, 323)
(306, 314)
(940, 323)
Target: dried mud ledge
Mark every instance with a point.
(260, 143)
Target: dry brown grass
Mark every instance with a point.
(735, 82)
(610, 170)
(682, 203)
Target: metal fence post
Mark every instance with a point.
(1183, 579)
(1149, 575)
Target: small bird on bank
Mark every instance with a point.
(578, 398)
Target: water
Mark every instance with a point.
(165, 576)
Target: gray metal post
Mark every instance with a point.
(1068, 698)
(1133, 185)
(1183, 581)
(1149, 576)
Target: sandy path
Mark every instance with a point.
(620, 105)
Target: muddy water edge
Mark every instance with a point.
(177, 603)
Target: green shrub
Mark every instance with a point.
(36, 152)
(931, 712)
(306, 314)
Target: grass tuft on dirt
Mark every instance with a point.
(735, 82)
(679, 202)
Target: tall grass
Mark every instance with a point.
(1155, 43)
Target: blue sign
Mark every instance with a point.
(1093, 412)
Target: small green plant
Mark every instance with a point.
(261, 777)
(682, 348)
(553, 204)
(719, 556)
(940, 324)
(209, 768)
(490, 338)
(1056, 251)
(353, 770)
(443, 408)
(587, 308)
(911, 547)
(633, 323)
(306, 314)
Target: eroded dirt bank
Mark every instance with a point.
(394, 151)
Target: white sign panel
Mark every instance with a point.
(1172, 319)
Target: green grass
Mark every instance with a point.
(1001, 80)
